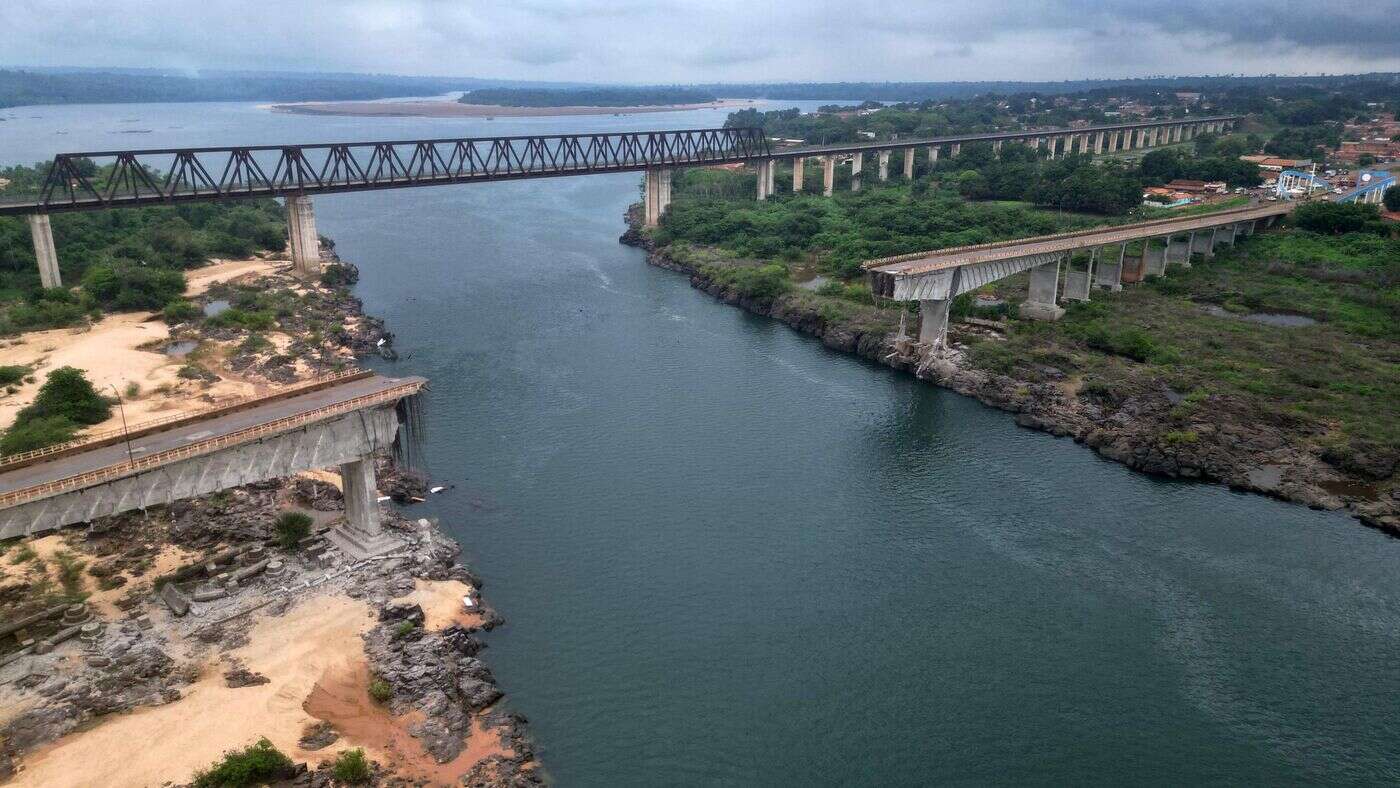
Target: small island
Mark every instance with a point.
(526, 102)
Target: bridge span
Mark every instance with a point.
(935, 278)
(339, 421)
(99, 180)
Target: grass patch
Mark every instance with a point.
(380, 690)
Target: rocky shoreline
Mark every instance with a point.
(1231, 448)
(164, 604)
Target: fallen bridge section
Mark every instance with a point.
(934, 278)
(341, 425)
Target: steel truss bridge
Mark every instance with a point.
(175, 175)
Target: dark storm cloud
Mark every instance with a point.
(714, 40)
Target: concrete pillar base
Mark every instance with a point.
(1035, 310)
(657, 195)
(933, 323)
(359, 545)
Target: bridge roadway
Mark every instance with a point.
(935, 277)
(339, 424)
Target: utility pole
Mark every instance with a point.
(126, 435)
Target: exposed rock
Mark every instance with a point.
(318, 736)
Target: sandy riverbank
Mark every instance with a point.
(452, 109)
(127, 348)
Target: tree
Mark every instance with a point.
(1336, 218)
(1365, 160)
(69, 394)
(1392, 198)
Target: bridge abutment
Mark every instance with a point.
(657, 197)
(44, 250)
(302, 235)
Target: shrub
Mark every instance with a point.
(292, 527)
(237, 317)
(1180, 437)
(762, 282)
(1334, 218)
(132, 390)
(37, 433)
(9, 375)
(338, 275)
(68, 393)
(351, 767)
(258, 763)
(380, 690)
(254, 343)
(123, 285)
(404, 628)
(181, 311)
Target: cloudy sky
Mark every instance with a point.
(659, 41)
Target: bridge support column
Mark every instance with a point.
(1078, 284)
(828, 175)
(908, 164)
(657, 194)
(955, 150)
(1201, 243)
(302, 236)
(857, 164)
(798, 174)
(883, 158)
(1109, 274)
(361, 536)
(932, 155)
(1098, 143)
(44, 250)
(765, 178)
(1044, 293)
(1176, 133)
(933, 323)
(1178, 252)
(1154, 261)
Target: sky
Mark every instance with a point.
(683, 41)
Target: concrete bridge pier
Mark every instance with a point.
(908, 164)
(362, 534)
(932, 155)
(1079, 283)
(798, 174)
(1110, 272)
(933, 323)
(44, 250)
(955, 150)
(1203, 244)
(1154, 261)
(1098, 142)
(857, 164)
(302, 236)
(883, 159)
(1178, 252)
(1042, 303)
(765, 178)
(657, 194)
(828, 175)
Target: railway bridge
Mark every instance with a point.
(99, 180)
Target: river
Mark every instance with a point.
(729, 555)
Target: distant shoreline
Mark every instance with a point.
(452, 109)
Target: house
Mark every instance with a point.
(1197, 187)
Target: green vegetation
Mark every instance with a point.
(838, 234)
(65, 403)
(22, 554)
(1333, 218)
(181, 311)
(11, 374)
(1160, 166)
(351, 767)
(122, 286)
(256, 764)
(405, 628)
(380, 690)
(587, 97)
(291, 528)
(1392, 198)
(70, 573)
